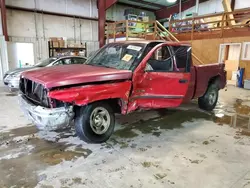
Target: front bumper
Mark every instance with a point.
(11, 82)
(47, 118)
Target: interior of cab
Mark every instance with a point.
(160, 61)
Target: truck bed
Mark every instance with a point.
(201, 75)
(206, 73)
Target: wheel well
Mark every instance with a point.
(115, 104)
(213, 80)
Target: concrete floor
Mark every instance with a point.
(165, 148)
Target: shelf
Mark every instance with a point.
(68, 48)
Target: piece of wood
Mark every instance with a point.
(227, 8)
(127, 30)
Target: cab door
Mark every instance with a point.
(162, 79)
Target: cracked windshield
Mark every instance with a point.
(118, 56)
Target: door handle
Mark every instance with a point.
(183, 81)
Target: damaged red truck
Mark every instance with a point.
(120, 78)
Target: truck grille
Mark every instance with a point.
(34, 92)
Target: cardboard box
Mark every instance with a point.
(61, 43)
(149, 36)
(55, 44)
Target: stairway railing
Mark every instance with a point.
(126, 30)
(171, 37)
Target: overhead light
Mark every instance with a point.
(171, 1)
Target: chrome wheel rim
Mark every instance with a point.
(99, 120)
(212, 97)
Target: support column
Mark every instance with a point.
(4, 20)
(180, 14)
(197, 7)
(101, 22)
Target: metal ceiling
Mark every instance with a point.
(152, 5)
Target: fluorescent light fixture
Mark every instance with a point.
(171, 1)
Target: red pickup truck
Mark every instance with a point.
(120, 78)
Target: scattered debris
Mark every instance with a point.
(195, 161)
(160, 176)
(149, 164)
(142, 149)
(205, 142)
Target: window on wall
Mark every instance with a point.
(246, 51)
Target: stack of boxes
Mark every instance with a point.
(60, 42)
(60, 46)
(56, 42)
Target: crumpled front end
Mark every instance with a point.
(47, 118)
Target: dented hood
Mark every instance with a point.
(57, 76)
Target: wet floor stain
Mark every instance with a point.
(226, 115)
(35, 153)
(171, 119)
(25, 153)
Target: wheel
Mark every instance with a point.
(95, 123)
(209, 100)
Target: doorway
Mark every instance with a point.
(230, 55)
(20, 55)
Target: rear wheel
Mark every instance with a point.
(209, 100)
(95, 123)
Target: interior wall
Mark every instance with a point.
(74, 7)
(215, 6)
(38, 28)
(207, 50)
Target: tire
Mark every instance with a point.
(209, 100)
(94, 123)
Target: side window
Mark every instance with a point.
(67, 61)
(59, 62)
(78, 61)
(160, 61)
(183, 58)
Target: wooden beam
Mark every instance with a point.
(227, 8)
(232, 5)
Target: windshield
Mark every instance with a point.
(117, 56)
(45, 62)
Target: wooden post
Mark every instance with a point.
(192, 33)
(170, 25)
(114, 31)
(155, 30)
(107, 31)
(222, 25)
(127, 30)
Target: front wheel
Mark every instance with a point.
(209, 100)
(95, 123)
